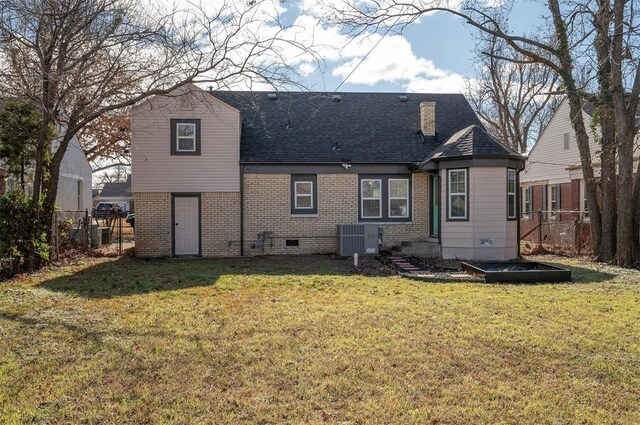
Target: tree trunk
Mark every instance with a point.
(606, 118)
(577, 121)
(624, 135)
(635, 233)
(607, 251)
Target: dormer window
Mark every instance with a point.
(185, 137)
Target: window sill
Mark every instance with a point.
(385, 222)
(303, 215)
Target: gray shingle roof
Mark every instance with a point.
(307, 127)
(117, 190)
(473, 141)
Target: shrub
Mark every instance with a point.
(23, 241)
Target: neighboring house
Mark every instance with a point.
(119, 193)
(240, 173)
(74, 186)
(552, 179)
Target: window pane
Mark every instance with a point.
(458, 206)
(399, 188)
(303, 188)
(399, 208)
(186, 130)
(512, 206)
(304, 201)
(186, 144)
(371, 208)
(457, 182)
(370, 189)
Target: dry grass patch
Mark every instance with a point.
(305, 340)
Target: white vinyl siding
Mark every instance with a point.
(548, 160)
(216, 169)
(487, 220)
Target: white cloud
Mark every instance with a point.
(391, 60)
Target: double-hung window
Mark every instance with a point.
(385, 197)
(511, 194)
(458, 196)
(185, 137)
(527, 199)
(371, 198)
(555, 200)
(398, 198)
(583, 201)
(304, 197)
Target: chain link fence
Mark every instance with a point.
(106, 233)
(70, 232)
(558, 232)
(112, 233)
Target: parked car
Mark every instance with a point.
(107, 209)
(131, 218)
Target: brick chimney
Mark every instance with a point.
(428, 118)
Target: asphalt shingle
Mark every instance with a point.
(308, 127)
(473, 141)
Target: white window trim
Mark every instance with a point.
(178, 137)
(553, 196)
(396, 198)
(527, 196)
(295, 195)
(510, 172)
(583, 202)
(465, 193)
(362, 198)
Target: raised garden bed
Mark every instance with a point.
(517, 272)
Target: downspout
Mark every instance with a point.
(518, 200)
(242, 210)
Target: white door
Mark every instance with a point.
(187, 226)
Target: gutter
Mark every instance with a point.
(518, 202)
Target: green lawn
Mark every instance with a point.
(305, 340)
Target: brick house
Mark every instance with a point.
(552, 181)
(251, 173)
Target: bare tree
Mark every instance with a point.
(77, 60)
(106, 141)
(115, 174)
(515, 100)
(564, 43)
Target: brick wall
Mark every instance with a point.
(220, 213)
(153, 224)
(220, 224)
(267, 208)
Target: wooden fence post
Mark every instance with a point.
(540, 230)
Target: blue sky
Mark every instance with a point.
(431, 56)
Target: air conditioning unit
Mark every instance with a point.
(358, 238)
